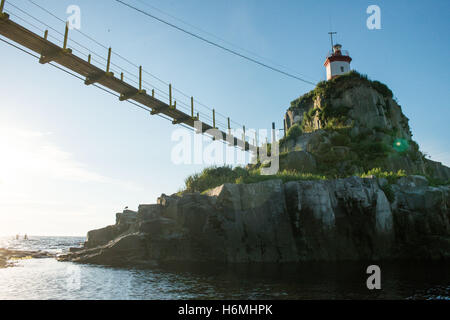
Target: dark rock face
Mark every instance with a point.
(327, 220)
(422, 219)
(340, 219)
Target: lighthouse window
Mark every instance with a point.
(342, 69)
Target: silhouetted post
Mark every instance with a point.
(192, 107)
(214, 118)
(331, 36)
(66, 35)
(273, 132)
(153, 93)
(140, 78)
(108, 62)
(170, 95)
(229, 126)
(46, 34)
(243, 135)
(89, 58)
(3, 15)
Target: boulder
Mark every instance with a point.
(412, 181)
(422, 222)
(127, 217)
(104, 235)
(437, 170)
(124, 250)
(148, 212)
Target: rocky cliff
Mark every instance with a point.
(272, 221)
(350, 125)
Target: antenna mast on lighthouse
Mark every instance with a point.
(338, 61)
(331, 36)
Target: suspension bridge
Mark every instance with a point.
(64, 59)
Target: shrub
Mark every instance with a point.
(285, 176)
(213, 177)
(382, 88)
(370, 149)
(328, 112)
(293, 133)
(340, 140)
(303, 101)
(333, 88)
(389, 175)
(306, 122)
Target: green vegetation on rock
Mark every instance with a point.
(351, 124)
(346, 126)
(215, 176)
(390, 176)
(293, 133)
(212, 177)
(333, 88)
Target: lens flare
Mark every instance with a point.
(400, 145)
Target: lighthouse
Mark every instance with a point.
(337, 62)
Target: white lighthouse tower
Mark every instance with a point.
(337, 62)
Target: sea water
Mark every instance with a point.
(50, 279)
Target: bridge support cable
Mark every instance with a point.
(97, 86)
(92, 75)
(158, 91)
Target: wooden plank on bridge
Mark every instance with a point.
(51, 52)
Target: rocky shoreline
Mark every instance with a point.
(8, 256)
(276, 222)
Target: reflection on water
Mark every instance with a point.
(49, 279)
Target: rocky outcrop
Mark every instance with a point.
(437, 170)
(363, 105)
(272, 221)
(9, 257)
(351, 125)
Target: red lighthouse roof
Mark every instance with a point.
(337, 55)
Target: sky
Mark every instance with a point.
(72, 156)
